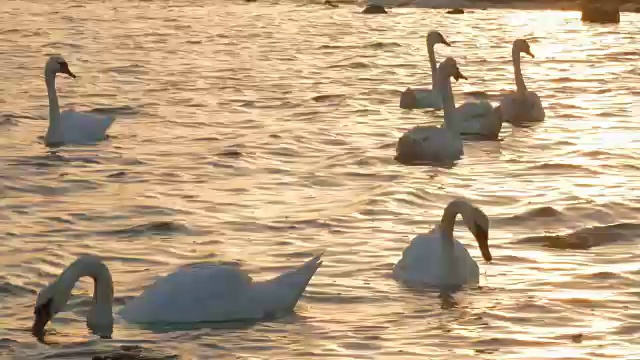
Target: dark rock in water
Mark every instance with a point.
(456, 11)
(601, 11)
(250, 0)
(374, 9)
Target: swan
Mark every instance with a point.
(437, 259)
(197, 293)
(523, 105)
(420, 98)
(70, 127)
(434, 143)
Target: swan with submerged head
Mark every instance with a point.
(191, 294)
(437, 259)
(436, 144)
(70, 127)
(421, 98)
(523, 106)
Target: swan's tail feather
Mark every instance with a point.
(292, 284)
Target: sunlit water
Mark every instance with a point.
(261, 133)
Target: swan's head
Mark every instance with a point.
(521, 45)
(57, 65)
(50, 301)
(449, 68)
(435, 37)
(478, 223)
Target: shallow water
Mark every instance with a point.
(261, 133)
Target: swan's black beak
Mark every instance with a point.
(482, 237)
(445, 42)
(459, 76)
(64, 68)
(528, 52)
(42, 315)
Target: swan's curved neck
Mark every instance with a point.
(54, 107)
(521, 88)
(448, 102)
(434, 66)
(100, 315)
(449, 218)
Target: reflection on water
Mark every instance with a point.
(257, 133)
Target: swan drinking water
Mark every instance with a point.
(434, 143)
(437, 259)
(198, 293)
(420, 98)
(523, 105)
(70, 127)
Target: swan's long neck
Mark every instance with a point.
(521, 88)
(434, 66)
(100, 316)
(448, 102)
(54, 107)
(449, 218)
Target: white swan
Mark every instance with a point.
(70, 127)
(523, 105)
(433, 143)
(437, 259)
(420, 98)
(197, 293)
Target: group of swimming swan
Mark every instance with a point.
(221, 293)
(478, 119)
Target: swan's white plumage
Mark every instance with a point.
(424, 263)
(80, 128)
(478, 118)
(521, 106)
(517, 109)
(429, 144)
(70, 127)
(197, 293)
(437, 259)
(209, 293)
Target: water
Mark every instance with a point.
(260, 133)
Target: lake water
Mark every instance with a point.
(261, 133)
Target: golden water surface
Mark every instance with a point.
(261, 133)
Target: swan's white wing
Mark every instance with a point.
(478, 118)
(515, 109)
(424, 263)
(429, 143)
(194, 294)
(79, 128)
(420, 98)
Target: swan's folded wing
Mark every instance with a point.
(78, 127)
(421, 262)
(194, 294)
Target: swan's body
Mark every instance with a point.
(70, 127)
(433, 143)
(479, 119)
(198, 293)
(421, 98)
(437, 259)
(522, 106)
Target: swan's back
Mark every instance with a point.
(423, 263)
(196, 293)
(516, 109)
(79, 128)
(428, 144)
(211, 293)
